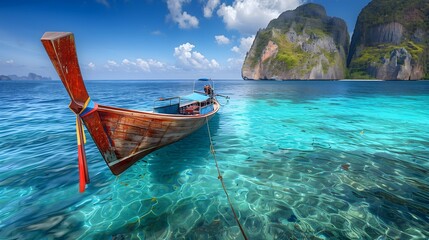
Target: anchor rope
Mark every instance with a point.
(212, 150)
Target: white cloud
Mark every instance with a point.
(193, 60)
(235, 49)
(247, 16)
(10, 61)
(91, 65)
(235, 63)
(240, 50)
(210, 7)
(111, 63)
(244, 47)
(156, 64)
(221, 39)
(142, 65)
(127, 62)
(184, 19)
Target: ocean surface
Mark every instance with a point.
(300, 160)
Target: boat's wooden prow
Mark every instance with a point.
(55, 35)
(61, 49)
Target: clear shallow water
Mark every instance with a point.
(303, 160)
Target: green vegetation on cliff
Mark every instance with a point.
(384, 26)
(374, 56)
(290, 54)
(261, 40)
(410, 13)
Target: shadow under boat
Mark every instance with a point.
(192, 152)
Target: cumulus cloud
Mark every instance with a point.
(127, 62)
(235, 63)
(137, 65)
(10, 61)
(210, 7)
(184, 19)
(244, 46)
(91, 65)
(189, 59)
(111, 65)
(221, 39)
(240, 50)
(247, 16)
(142, 65)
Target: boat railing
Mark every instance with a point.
(167, 105)
(176, 105)
(170, 100)
(200, 92)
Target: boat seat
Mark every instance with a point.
(191, 110)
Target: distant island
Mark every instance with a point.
(301, 44)
(30, 76)
(390, 42)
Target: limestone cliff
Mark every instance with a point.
(390, 41)
(301, 44)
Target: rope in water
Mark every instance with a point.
(212, 150)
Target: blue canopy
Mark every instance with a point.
(196, 97)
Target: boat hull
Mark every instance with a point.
(127, 136)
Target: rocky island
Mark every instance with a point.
(390, 41)
(301, 44)
(30, 76)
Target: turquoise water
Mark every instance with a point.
(300, 160)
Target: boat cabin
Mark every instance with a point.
(191, 104)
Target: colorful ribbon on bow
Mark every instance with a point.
(83, 167)
(88, 108)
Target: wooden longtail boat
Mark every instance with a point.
(124, 136)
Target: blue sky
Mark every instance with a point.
(145, 39)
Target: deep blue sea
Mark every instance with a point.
(300, 160)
